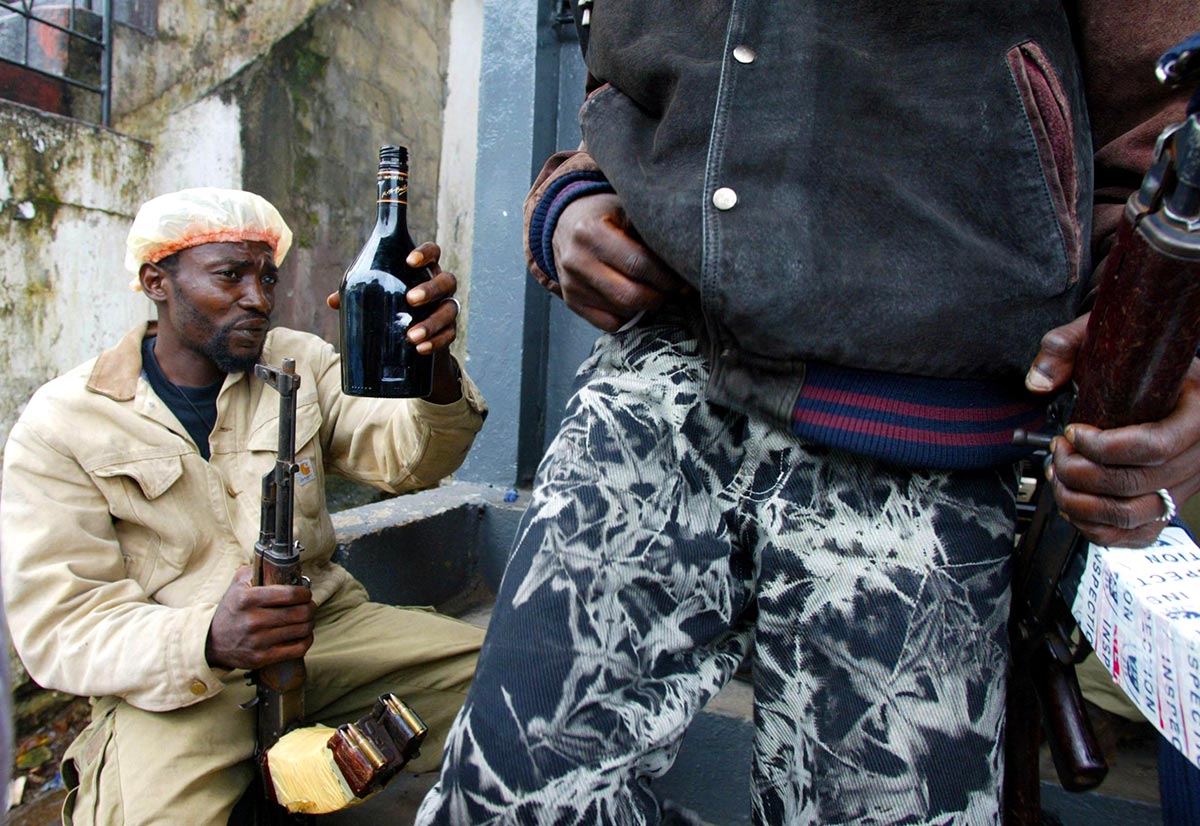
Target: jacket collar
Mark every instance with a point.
(116, 371)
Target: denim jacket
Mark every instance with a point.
(867, 185)
(902, 187)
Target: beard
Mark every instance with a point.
(219, 352)
(215, 345)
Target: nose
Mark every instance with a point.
(257, 296)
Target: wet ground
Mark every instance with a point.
(47, 722)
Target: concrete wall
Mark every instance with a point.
(67, 194)
(289, 98)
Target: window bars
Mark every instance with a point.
(56, 55)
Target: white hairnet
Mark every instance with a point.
(173, 222)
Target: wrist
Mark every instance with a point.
(210, 652)
(447, 379)
(544, 220)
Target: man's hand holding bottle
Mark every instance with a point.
(435, 334)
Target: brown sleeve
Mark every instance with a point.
(562, 163)
(1119, 42)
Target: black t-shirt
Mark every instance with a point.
(195, 407)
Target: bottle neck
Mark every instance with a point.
(393, 201)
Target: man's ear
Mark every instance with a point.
(151, 277)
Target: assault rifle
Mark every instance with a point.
(280, 695)
(373, 749)
(1141, 338)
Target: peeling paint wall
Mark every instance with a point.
(67, 194)
(199, 145)
(315, 110)
(289, 98)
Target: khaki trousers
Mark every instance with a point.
(192, 765)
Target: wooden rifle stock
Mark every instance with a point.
(1141, 339)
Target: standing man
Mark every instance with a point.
(130, 508)
(847, 225)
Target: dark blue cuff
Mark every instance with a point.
(546, 214)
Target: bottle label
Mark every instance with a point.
(397, 191)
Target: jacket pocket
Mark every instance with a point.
(152, 476)
(1049, 115)
(147, 513)
(311, 524)
(83, 769)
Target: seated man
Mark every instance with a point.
(130, 509)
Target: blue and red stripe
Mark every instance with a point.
(912, 420)
(555, 199)
(906, 420)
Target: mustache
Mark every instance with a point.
(252, 315)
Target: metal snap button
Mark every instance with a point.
(199, 688)
(744, 54)
(724, 198)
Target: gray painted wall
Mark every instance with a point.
(525, 346)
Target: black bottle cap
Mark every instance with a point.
(393, 156)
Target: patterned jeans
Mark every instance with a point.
(664, 535)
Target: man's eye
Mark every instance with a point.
(230, 274)
(270, 278)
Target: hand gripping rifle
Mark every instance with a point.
(1141, 338)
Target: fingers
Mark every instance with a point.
(279, 654)
(1106, 482)
(622, 249)
(441, 286)
(1126, 522)
(276, 597)
(276, 647)
(261, 636)
(1129, 462)
(606, 274)
(1109, 536)
(1055, 361)
(257, 626)
(425, 255)
(437, 330)
(1155, 443)
(265, 633)
(605, 298)
(270, 608)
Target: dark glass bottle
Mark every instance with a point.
(377, 358)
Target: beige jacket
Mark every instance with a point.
(117, 539)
